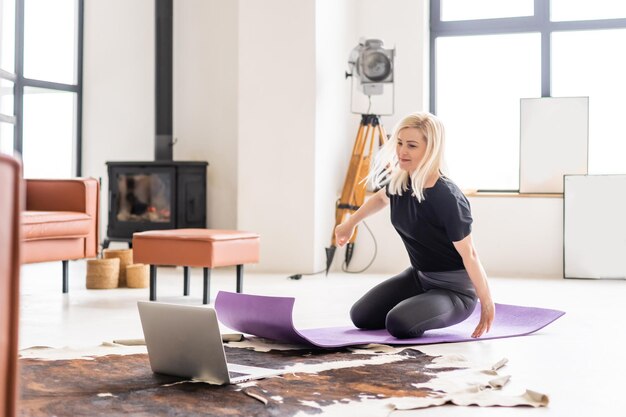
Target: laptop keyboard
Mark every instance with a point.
(236, 374)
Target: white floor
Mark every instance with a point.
(579, 360)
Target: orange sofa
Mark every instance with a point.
(61, 221)
(10, 205)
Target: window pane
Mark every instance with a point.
(586, 64)
(586, 10)
(6, 97)
(50, 40)
(480, 80)
(7, 35)
(485, 9)
(49, 133)
(6, 138)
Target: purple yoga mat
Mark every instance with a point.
(272, 318)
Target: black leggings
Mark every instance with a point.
(412, 302)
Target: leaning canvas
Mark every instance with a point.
(553, 141)
(594, 226)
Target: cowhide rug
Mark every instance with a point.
(369, 381)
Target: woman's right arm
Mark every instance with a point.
(375, 203)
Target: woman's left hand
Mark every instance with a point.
(487, 314)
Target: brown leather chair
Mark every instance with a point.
(61, 221)
(10, 205)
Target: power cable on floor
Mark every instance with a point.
(343, 265)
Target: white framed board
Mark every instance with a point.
(554, 135)
(594, 226)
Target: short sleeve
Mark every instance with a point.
(457, 217)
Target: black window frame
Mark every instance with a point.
(6, 118)
(20, 82)
(539, 22)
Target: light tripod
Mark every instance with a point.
(354, 186)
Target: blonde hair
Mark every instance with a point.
(386, 170)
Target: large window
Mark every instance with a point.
(7, 76)
(488, 54)
(41, 85)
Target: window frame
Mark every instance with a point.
(6, 118)
(20, 82)
(6, 75)
(539, 22)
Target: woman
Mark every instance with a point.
(433, 218)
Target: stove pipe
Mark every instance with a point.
(163, 150)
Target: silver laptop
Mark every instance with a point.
(185, 341)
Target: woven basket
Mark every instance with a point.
(103, 273)
(137, 276)
(126, 258)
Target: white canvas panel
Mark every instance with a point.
(553, 141)
(595, 226)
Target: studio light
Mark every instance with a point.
(372, 64)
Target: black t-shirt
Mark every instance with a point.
(429, 228)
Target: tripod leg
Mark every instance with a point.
(360, 189)
(351, 177)
(354, 171)
(382, 135)
(347, 195)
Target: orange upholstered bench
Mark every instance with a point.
(206, 248)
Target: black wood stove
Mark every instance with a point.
(155, 195)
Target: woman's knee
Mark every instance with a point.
(363, 317)
(402, 327)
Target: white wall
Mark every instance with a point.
(519, 236)
(335, 126)
(260, 94)
(118, 86)
(403, 24)
(205, 98)
(276, 157)
(118, 108)
(514, 236)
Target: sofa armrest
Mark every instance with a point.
(11, 194)
(77, 194)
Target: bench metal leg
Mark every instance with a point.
(153, 279)
(207, 283)
(186, 283)
(239, 278)
(65, 276)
